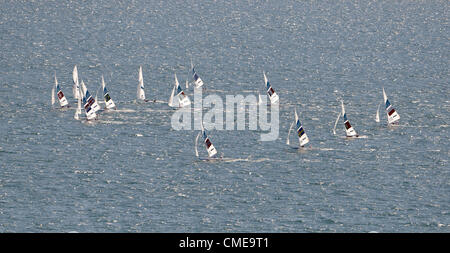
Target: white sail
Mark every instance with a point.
(183, 99)
(87, 103)
(109, 103)
(302, 137)
(76, 84)
(196, 141)
(259, 99)
(197, 80)
(78, 110)
(171, 103)
(377, 116)
(140, 88)
(350, 131)
(272, 94)
(289, 133)
(62, 99)
(53, 94)
(187, 84)
(392, 115)
(88, 99)
(209, 146)
(335, 123)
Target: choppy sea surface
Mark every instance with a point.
(131, 172)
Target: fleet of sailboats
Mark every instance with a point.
(179, 99)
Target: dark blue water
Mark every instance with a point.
(131, 172)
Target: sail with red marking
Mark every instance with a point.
(90, 106)
(391, 113)
(183, 99)
(209, 146)
(61, 98)
(197, 80)
(270, 91)
(349, 130)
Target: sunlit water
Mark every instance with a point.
(131, 172)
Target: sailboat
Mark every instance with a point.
(109, 103)
(78, 110)
(208, 145)
(377, 116)
(302, 137)
(140, 87)
(272, 95)
(183, 99)
(76, 84)
(88, 103)
(392, 115)
(197, 80)
(88, 99)
(62, 99)
(349, 130)
(53, 94)
(259, 99)
(172, 95)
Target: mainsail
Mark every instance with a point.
(171, 103)
(272, 95)
(109, 103)
(88, 99)
(78, 110)
(197, 80)
(183, 99)
(62, 99)
(88, 103)
(76, 84)
(140, 88)
(377, 116)
(392, 115)
(53, 94)
(350, 131)
(209, 146)
(302, 137)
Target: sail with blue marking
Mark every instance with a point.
(183, 99)
(90, 106)
(197, 80)
(273, 96)
(140, 87)
(209, 146)
(61, 98)
(349, 130)
(302, 137)
(109, 103)
(391, 113)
